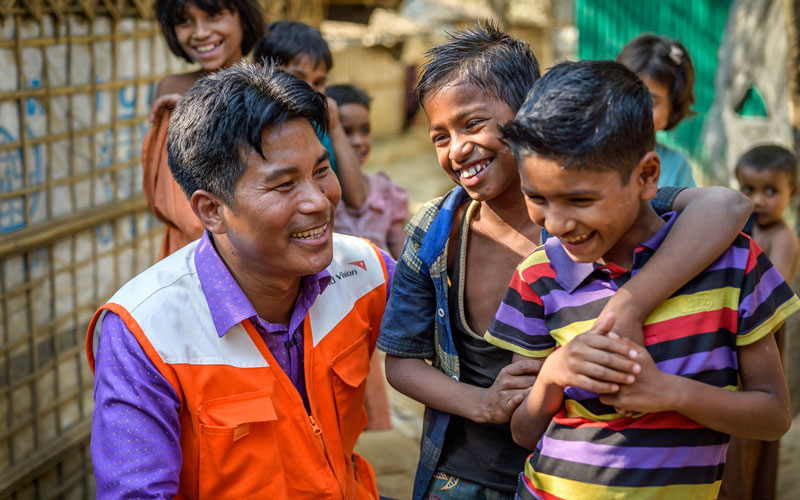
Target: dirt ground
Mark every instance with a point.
(411, 162)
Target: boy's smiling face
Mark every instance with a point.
(771, 191)
(355, 121)
(464, 129)
(592, 212)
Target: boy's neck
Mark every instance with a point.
(647, 224)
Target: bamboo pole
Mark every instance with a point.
(792, 353)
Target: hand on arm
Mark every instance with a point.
(354, 186)
(167, 101)
(759, 411)
(678, 260)
(597, 361)
(420, 381)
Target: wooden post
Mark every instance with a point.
(792, 353)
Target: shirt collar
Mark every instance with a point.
(570, 274)
(227, 302)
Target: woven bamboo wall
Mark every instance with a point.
(77, 78)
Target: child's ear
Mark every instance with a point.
(210, 209)
(649, 170)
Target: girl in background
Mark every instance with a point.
(665, 67)
(214, 34)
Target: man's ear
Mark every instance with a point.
(210, 209)
(649, 170)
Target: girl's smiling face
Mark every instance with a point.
(212, 40)
(662, 107)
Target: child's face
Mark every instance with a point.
(213, 41)
(304, 68)
(591, 212)
(770, 190)
(355, 121)
(661, 103)
(464, 129)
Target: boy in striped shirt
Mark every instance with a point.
(613, 419)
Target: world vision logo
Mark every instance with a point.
(348, 273)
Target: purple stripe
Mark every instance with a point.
(623, 457)
(578, 394)
(767, 283)
(734, 257)
(513, 317)
(558, 299)
(719, 358)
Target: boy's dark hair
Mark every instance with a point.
(284, 40)
(220, 120)
(666, 61)
(484, 56)
(770, 157)
(344, 93)
(172, 12)
(596, 115)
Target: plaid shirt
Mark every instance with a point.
(416, 323)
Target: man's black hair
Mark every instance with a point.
(590, 114)
(345, 93)
(484, 56)
(770, 157)
(285, 40)
(172, 12)
(220, 121)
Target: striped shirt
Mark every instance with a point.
(591, 452)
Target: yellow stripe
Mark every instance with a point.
(707, 300)
(771, 325)
(576, 490)
(533, 259)
(575, 409)
(488, 337)
(566, 333)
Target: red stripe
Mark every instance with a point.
(691, 324)
(536, 271)
(661, 420)
(752, 257)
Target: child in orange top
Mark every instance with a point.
(767, 175)
(214, 34)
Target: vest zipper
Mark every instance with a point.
(318, 435)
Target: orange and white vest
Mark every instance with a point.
(245, 432)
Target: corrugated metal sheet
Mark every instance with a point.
(605, 26)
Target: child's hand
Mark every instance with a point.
(333, 113)
(595, 361)
(512, 384)
(646, 393)
(167, 101)
(629, 320)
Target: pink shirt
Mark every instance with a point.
(382, 216)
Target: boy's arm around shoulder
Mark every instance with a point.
(680, 258)
(762, 409)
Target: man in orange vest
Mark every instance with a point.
(236, 367)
